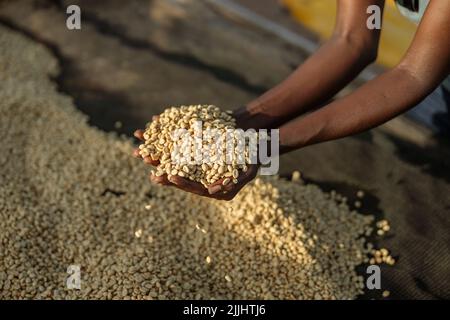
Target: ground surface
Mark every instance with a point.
(133, 58)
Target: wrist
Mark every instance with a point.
(248, 117)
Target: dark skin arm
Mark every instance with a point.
(351, 48)
(424, 67)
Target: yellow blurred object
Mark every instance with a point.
(319, 16)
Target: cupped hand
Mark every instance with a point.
(216, 190)
(148, 160)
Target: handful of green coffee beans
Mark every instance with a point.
(198, 142)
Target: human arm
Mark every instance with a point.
(351, 48)
(422, 69)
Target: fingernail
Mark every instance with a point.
(171, 179)
(214, 189)
(148, 160)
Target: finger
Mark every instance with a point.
(218, 186)
(189, 186)
(228, 191)
(215, 188)
(226, 195)
(162, 180)
(136, 153)
(230, 186)
(249, 175)
(150, 161)
(139, 134)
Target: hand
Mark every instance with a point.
(246, 118)
(229, 191)
(215, 190)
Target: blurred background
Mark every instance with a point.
(319, 16)
(132, 59)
